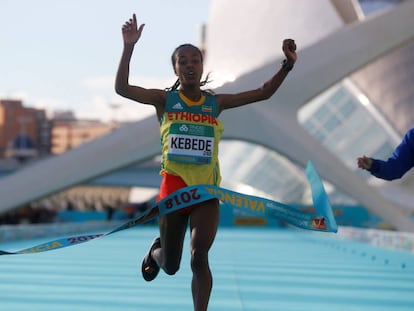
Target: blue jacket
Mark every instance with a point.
(401, 161)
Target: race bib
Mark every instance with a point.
(190, 143)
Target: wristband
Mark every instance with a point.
(286, 66)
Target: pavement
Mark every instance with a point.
(254, 269)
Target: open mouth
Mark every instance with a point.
(190, 75)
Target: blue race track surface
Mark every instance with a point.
(253, 269)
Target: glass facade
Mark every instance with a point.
(342, 119)
(373, 6)
(346, 123)
(249, 164)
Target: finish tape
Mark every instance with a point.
(322, 220)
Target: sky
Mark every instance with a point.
(63, 55)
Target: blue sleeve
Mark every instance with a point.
(401, 161)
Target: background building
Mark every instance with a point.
(27, 133)
(69, 132)
(24, 132)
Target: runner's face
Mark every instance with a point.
(188, 66)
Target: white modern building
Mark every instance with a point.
(349, 94)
